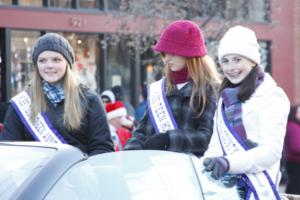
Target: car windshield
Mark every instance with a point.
(139, 175)
(17, 163)
(130, 176)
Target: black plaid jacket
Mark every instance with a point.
(193, 133)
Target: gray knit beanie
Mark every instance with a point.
(53, 42)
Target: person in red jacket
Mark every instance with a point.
(119, 124)
(292, 150)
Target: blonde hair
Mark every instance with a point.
(73, 110)
(204, 76)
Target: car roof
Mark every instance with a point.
(64, 157)
(59, 147)
(40, 183)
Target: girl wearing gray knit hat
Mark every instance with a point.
(250, 121)
(54, 108)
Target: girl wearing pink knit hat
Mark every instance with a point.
(181, 105)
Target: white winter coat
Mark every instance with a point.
(264, 118)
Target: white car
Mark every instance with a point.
(32, 170)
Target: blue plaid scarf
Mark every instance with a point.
(233, 106)
(55, 93)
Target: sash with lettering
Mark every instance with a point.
(159, 109)
(41, 130)
(261, 186)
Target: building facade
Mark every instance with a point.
(85, 23)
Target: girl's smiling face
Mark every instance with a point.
(236, 68)
(52, 66)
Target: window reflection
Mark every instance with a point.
(38, 3)
(119, 67)
(88, 4)
(60, 3)
(86, 50)
(265, 55)
(5, 2)
(22, 43)
(112, 5)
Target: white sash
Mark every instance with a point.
(41, 130)
(159, 110)
(261, 184)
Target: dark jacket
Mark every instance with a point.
(3, 109)
(193, 133)
(93, 137)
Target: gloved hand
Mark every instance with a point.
(229, 180)
(250, 143)
(218, 166)
(132, 147)
(159, 141)
(133, 144)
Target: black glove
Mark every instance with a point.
(159, 141)
(218, 166)
(131, 147)
(133, 144)
(229, 180)
(250, 143)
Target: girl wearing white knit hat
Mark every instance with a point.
(250, 120)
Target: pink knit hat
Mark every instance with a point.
(183, 38)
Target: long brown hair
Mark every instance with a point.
(73, 110)
(204, 76)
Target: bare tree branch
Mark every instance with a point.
(141, 21)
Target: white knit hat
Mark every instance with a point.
(239, 40)
(110, 95)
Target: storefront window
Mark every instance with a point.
(38, 3)
(118, 62)
(60, 3)
(112, 5)
(5, 2)
(152, 67)
(86, 51)
(87, 4)
(265, 55)
(22, 43)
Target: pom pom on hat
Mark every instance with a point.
(241, 41)
(110, 95)
(116, 109)
(183, 38)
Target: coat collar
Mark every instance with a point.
(265, 87)
(185, 91)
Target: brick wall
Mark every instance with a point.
(297, 50)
